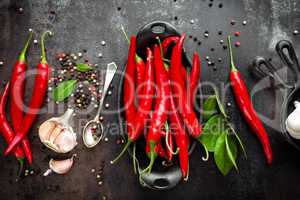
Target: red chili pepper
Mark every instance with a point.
(180, 95)
(129, 85)
(16, 96)
(159, 150)
(194, 78)
(138, 123)
(244, 102)
(167, 42)
(5, 128)
(37, 98)
(181, 138)
(162, 104)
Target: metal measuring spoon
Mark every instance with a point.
(93, 130)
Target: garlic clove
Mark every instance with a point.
(45, 130)
(55, 132)
(292, 122)
(66, 141)
(51, 146)
(61, 166)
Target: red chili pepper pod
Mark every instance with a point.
(167, 42)
(161, 106)
(145, 105)
(194, 78)
(159, 151)
(17, 84)
(246, 107)
(180, 95)
(129, 84)
(37, 98)
(181, 139)
(5, 128)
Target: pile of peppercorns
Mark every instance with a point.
(87, 91)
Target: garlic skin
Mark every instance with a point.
(292, 122)
(57, 134)
(65, 141)
(60, 166)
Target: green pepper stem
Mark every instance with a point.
(160, 47)
(134, 158)
(122, 152)
(232, 65)
(22, 56)
(21, 166)
(153, 155)
(137, 58)
(125, 34)
(43, 57)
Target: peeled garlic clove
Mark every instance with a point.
(66, 141)
(45, 130)
(61, 166)
(55, 132)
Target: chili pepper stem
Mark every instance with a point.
(206, 153)
(153, 155)
(125, 34)
(122, 152)
(22, 56)
(137, 58)
(21, 167)
(168, 145)
(232, 65)
(43, 56)
(134, 158)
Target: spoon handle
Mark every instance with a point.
(110, 72)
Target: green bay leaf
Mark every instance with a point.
(82, 67)
(210, 107)
(64, 90)
(212, 129)
(221, 157)
(231, 149)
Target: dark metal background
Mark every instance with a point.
(82, 25)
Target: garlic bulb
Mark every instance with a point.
(292, 122)
(57, 134)
(60, 166)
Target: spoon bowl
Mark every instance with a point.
(93, 131)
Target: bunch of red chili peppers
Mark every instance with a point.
(165, 98)
(16, 135)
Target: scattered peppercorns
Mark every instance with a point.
(86, 92)
(237, 43)
(237, 33)
(295, 32)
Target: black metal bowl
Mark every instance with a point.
(161, 177)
